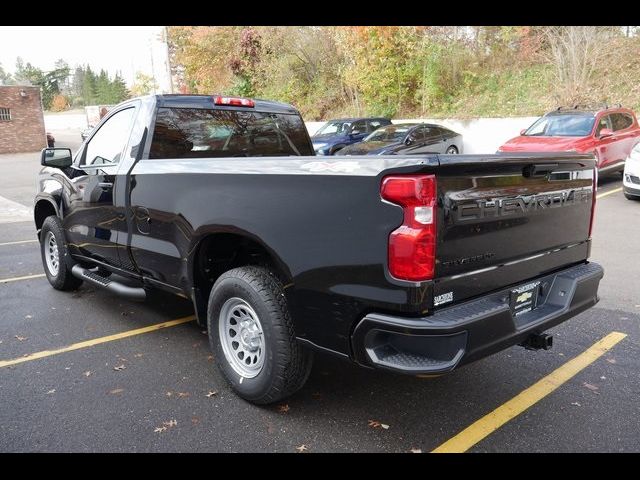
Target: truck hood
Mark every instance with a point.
(524, 143)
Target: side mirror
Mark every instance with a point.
(56, 157)
(409, 141)
(605, 132)
(523, 131)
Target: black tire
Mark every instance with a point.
(62, 279)
(336, 149)
(286, 364)
(452, 150)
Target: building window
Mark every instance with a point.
(5, 114)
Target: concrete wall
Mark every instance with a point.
(480, 135)
(25, 131)
(74, 119)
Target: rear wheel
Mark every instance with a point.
(452, 150)
(252, 336)
(55, 256)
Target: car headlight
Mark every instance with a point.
(319, 146)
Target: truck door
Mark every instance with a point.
(93, 222)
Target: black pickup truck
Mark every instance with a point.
(415, 264)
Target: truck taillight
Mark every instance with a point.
(233, 101)
(412, 246)
(593, 201)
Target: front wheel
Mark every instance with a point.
(452, 150)
(55, 256)
(251, 334)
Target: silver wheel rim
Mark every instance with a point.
(451, 150)
(51, 254)
(241, 337)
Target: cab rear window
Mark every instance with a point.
(200, 133)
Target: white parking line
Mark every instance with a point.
(18, 242)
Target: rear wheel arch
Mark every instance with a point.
(219, 252)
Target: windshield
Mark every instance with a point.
(333, 128)
(562, 126)
(388, 134)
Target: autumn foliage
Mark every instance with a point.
(400, 71)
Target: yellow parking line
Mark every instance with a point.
(96, 341)
(26, 277)
(471, 435)
(18, 242)
(604, 194)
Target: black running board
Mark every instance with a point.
(132, 293)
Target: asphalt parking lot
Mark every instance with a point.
(87, 371)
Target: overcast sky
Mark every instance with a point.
(123, 49)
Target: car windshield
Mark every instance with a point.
(333, 128)
(388, 134)
(574, 125)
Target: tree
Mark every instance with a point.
(143, 85)
(5, 77)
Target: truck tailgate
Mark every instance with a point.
(508, 218)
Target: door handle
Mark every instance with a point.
(105, 185)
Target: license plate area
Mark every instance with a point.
(523, 299)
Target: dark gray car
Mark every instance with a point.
(407, 139)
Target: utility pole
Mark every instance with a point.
(153, 71)
(166, 42)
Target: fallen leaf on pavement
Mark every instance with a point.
(138, 355)
(160, 429)
(283, 408)
(593, 388)
(87, 373)
(20, 339)
(385, 426)
(116, 391)
(415, 450)
(374, 424)
(603, 377)
(51, 391)
(28, 317)
(210, 357)
(119, 367)
(170, 423)
(611, 360)
(302, 448)
(211, 393)
(168, 394)
(576, 404)
(183, 394)
(195, 420)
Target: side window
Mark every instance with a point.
(620, 121)
(604, 122)
(359, 127)
(106, 145)
(417, 136)
(374, 125)
(432, 133)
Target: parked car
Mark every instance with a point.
(631, 176)
(337, 134)
(415, 264)
(84, 134)
(408, 138)
(608, 133)
(51, 141)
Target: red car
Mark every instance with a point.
(609, 133)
